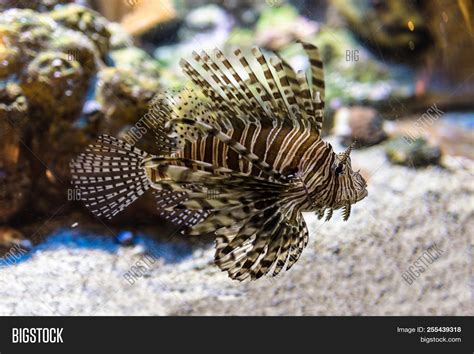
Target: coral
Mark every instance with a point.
(24, 33)
(134, 58)
(119, 38)
(57, 147)
(13, 105)
(77, 47)
(14, 171)
(13, 119)
(10, 58)
(53, 66)
(87, 21)
(15, 184)
(49, 62)
(124, 95)
(37, 5)
(55, 84)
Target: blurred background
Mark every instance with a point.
(399, 81)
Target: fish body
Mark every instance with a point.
(241, 156)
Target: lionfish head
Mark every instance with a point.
(351, 186)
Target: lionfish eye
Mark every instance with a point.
(339, 169)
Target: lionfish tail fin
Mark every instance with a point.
(109, 176)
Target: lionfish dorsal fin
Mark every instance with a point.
(279, 109)
(260, 88)
(289, 91)
(317, 70)
(183, 104)
(317, 82)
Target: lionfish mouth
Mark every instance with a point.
(362, 195)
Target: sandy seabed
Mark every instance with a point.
(348, 268)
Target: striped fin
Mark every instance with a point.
(166, 200)
(263, 89)
(272, 255)
(109, 176)
(261, 233)
(232, 214)
(257, 89)
(183, 175)
(283, 251)
(249, 214)
(317, 83)
(254, 234)
(185, 104)
(317, 70)
(276, 96)
(293, 242)
(305, 93)
(288, 94)
(298, 243)
(243, 92)
(300, 97)
(251, 249)
(208, 89)
(252, 75)
(211, 200)
(219, 79)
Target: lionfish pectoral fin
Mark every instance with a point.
(109, 176)
(264, 243)
(189, 186)
(167, 202)
(239, 207)
(254, 236)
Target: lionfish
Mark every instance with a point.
(241, 157)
